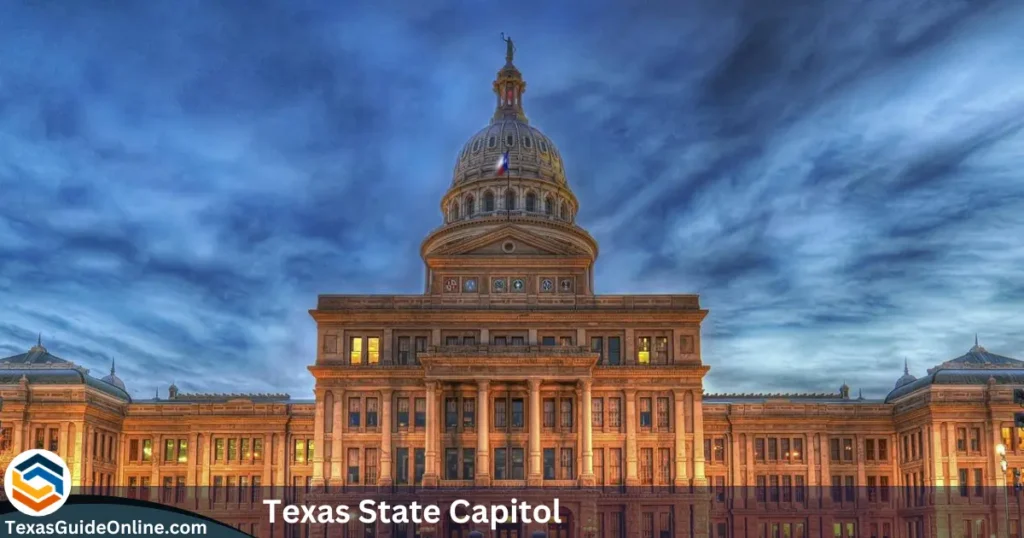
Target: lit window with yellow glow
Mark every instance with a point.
(643, 353)
(373, 350)
(355, 351)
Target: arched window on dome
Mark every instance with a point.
(531, 201)
(549, 206)
(564, 212)
(470, 206)
(510, 200)
(453, 213)
(488, 201)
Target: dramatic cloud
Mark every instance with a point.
(841, 182)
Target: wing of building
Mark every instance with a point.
(510, 371)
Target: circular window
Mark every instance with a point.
(508, 246)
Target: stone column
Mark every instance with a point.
(87, 453)
(62, 441)
(483, 432)
(587, 427)
(158, 448)
(385, 437)
(337, 448)
(282, 459)
(682, 475)
(535, 475)
(698, 441)
(318, 440)
(631, 453)
(430, 476)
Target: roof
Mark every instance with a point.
(804, 397)
(39, 366)
(976, 367)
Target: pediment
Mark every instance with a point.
(510, 241)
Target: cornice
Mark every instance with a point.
(451, 316)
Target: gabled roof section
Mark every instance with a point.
(497, 241)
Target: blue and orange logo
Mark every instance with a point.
(37, 482)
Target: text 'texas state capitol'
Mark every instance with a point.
(510, 372)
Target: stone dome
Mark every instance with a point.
(531, 154)
(509, 167)
(906, 378)
(112, 379)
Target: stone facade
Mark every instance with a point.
(509, 372)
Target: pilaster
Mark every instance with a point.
(535, 476)
(632, 479)
(386, 396)
(483, 432)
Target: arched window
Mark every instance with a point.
(488, 201)
(564, 212)
(531, 201)
(510, 200)
(470, 206)
(453, 213)
(549, 205)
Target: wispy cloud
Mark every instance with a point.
(841, 182)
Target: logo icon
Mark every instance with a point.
(37, 482)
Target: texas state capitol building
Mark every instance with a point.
(510, 372)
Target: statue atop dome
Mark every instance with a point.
(510, 48)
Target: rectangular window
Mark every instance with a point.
(615, 412)
(500, 419)
(518, 464)
(549, 464)
(354, 412)
(133, 448)
(761, 488)
(547, 341)
(300, 450)
(355, 350)
(421, 413)
(566, 465)
(961, 439)
(835, 453)
(614, 350)
(371, 466)
(418, 465)
(798, 488)
(597, 412)
(773, 449)
(597, 346)
(246, 453)
(661, 350)
(664, 466)
(232, 449)
(773, 488)
(373, 350)
(182, 450)
(517, 413)
(663, 414)
(404, 350)
(468, 413)
(646, 465)
(421, 347)
(719, 452)
(451, 463)
(218, 449)
(451, 341)
(850, 489)
(975, 439)
(847, 449)
(353, 466)
(402, 466)
(500, 341)
(451, 414)
(869, 449)
(500, 463)
(169, 445)
(468, 463)
(403, 412)
(615, 465)
(643, 350)
(566, 421)
(599, 466)
(518, 341)
(371, 412)
(759, 449)
(257, 449)
(883, 485)
(565, 341)
(549, 413)
(979, 485)
(645, 413)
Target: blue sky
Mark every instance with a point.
(842, 182)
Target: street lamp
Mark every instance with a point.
(1001, 450)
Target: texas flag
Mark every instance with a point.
(502, 165)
